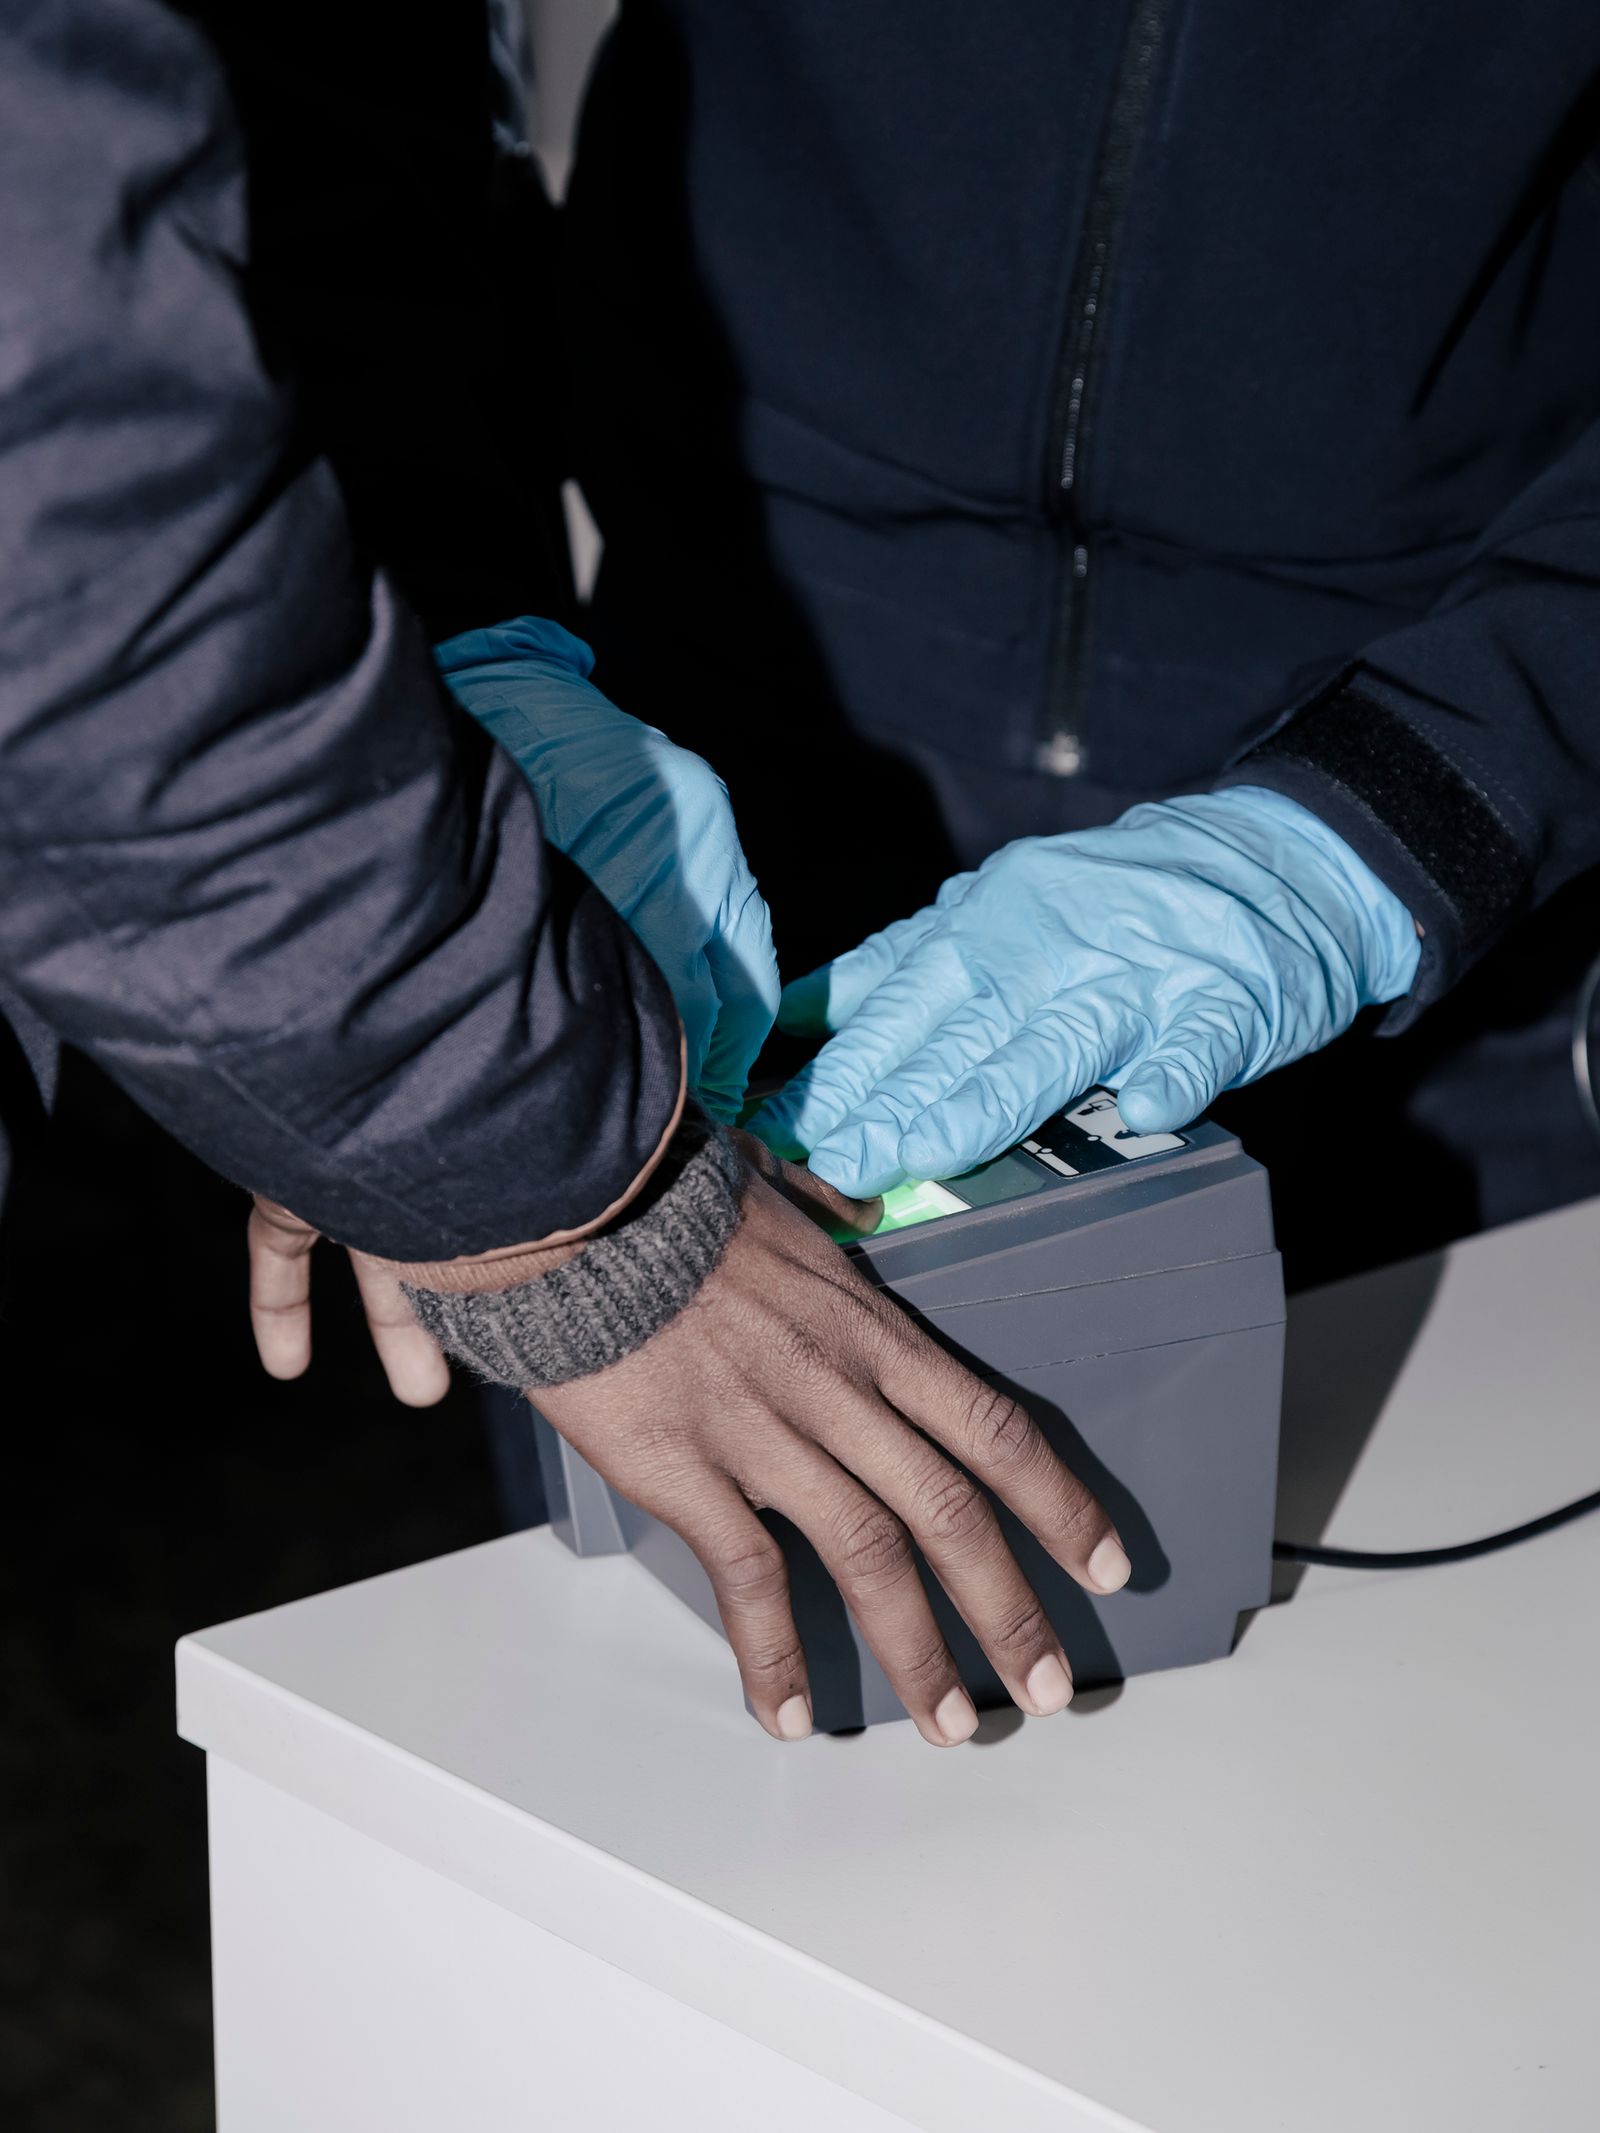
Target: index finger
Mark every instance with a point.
(996, 1439)
(897, 1019)
(280, 1292)
(412, 1359)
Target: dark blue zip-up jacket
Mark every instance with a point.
(1101, 380)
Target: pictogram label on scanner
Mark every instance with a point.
(1091, 1137)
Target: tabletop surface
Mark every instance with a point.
(1348, 1877)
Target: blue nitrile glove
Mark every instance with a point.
(651, 826)
(1192, 945)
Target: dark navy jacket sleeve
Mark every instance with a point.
(1460, 755)
(248, 860)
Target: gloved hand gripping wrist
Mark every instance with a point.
(651, 826)
(600, 1300)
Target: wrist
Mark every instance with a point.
(605, 1297)
(1376, 934)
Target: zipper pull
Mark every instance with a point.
(1061, 756)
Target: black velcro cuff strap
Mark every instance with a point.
(609, 1299)
(1457, 866)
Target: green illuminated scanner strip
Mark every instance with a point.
(918, 1200)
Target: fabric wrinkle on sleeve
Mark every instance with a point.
(250, 860)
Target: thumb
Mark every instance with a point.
(823, 1001)
(744, 970)
(1190, 1065)
(803, 1003)
(832, 1210)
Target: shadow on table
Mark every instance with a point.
(834, 1662)
(1346, 1346)
(1096, 1670)
(1345, 1349)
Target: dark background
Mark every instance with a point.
(158, 1481)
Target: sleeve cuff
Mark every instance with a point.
(1408, 810)
(614, 1292)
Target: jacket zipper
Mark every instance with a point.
(1060, 749)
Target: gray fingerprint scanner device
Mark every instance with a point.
(1127, 1290)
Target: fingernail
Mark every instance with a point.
(956, 1718)
(1109, 1568)
(794, 1718)
(1049, 1685)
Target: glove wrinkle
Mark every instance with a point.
(648, 822)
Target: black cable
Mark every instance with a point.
(1415, 1558)
(1584, 1066)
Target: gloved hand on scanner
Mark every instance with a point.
(1191, 946)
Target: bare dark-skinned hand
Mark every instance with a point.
(791, 1382)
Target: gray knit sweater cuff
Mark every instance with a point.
(623, 1286)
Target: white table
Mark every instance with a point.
(494, 1846)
